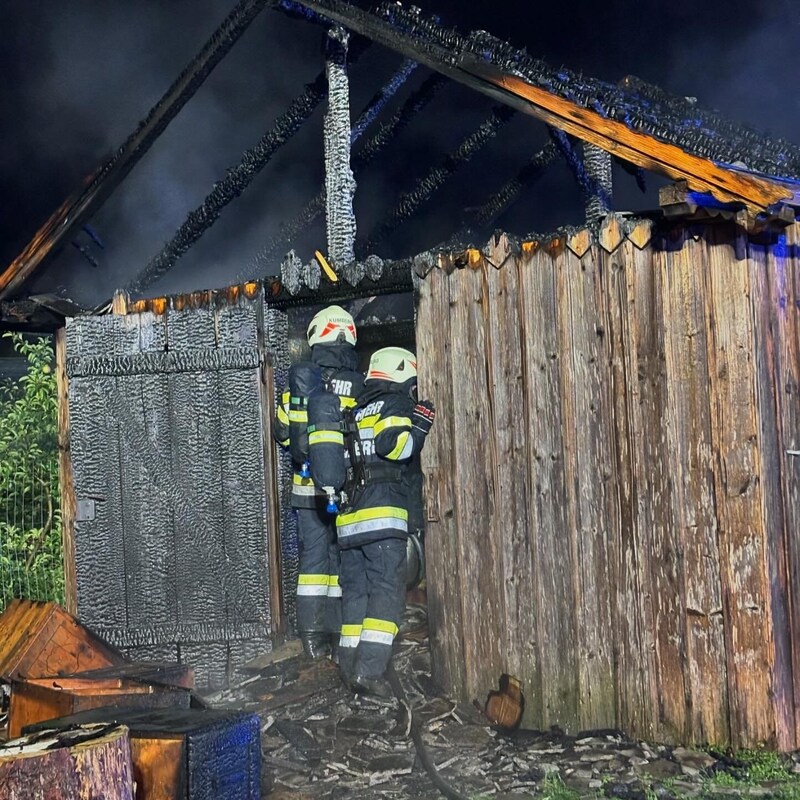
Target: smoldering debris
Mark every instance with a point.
(319, 740)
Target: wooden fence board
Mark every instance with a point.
(637, 383)
(479, 561)
(445, 596)
(587, 440)
(768, 295)
(738, 491)
(788, 390)
(548, 523)
(505, 358)
(697, 528)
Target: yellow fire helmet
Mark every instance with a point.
(395, 364)
(329, 324)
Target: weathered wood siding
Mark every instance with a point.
(613, 516)
(175, 528)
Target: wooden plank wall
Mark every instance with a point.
(176, 558)
(612, 510)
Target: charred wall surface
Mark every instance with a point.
(172, 532)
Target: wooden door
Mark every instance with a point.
(175, 532)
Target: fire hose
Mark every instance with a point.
(416, 736)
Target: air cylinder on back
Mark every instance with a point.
(326, 441)
(304, 379)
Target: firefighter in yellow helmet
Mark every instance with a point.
(333, 367)
(391, 428)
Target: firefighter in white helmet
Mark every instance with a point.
(333, 367)
(391, 428)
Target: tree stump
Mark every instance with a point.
(90, 761)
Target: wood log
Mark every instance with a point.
(92, 761)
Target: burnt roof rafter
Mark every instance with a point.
(78, 207)
(638, 123)
(657, 135)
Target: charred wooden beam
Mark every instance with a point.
(78, 207)
(379, 277)
(371, 148)
(582, 109)
(677, 200)
(599, 202)
(758, 194)
(236, 180)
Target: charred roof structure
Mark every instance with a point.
(721, 165)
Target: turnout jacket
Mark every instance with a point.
(379, 507)
(338, 363)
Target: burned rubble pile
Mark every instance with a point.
(320, 741)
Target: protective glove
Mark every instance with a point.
(422, 419)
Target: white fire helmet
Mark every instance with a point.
(329, 324)
(395, 364)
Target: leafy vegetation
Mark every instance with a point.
(31, 563)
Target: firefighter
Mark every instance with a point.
(333, 365)
(372, 531)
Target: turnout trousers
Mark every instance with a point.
(319, 596)
(373, 578)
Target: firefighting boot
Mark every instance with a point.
(334, 645)
(373, 687)
(347, 664)
(316, 644)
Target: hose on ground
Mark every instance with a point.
(416, 736)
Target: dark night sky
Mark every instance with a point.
(79, 75)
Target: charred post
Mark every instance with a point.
(340, 185)
(599, 200)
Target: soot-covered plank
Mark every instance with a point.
(202, 567)
(242, 456)
(99, 551)
(276, 333)
(150, 555)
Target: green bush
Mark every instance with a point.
(31, 560)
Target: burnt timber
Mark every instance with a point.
(582, 107)
(632, 120)
(77, 208)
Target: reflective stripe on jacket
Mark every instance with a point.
(380, 509)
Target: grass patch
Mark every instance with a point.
(744, 770)
(553, 788)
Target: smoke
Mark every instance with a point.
(78, 76)
(750, 80)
